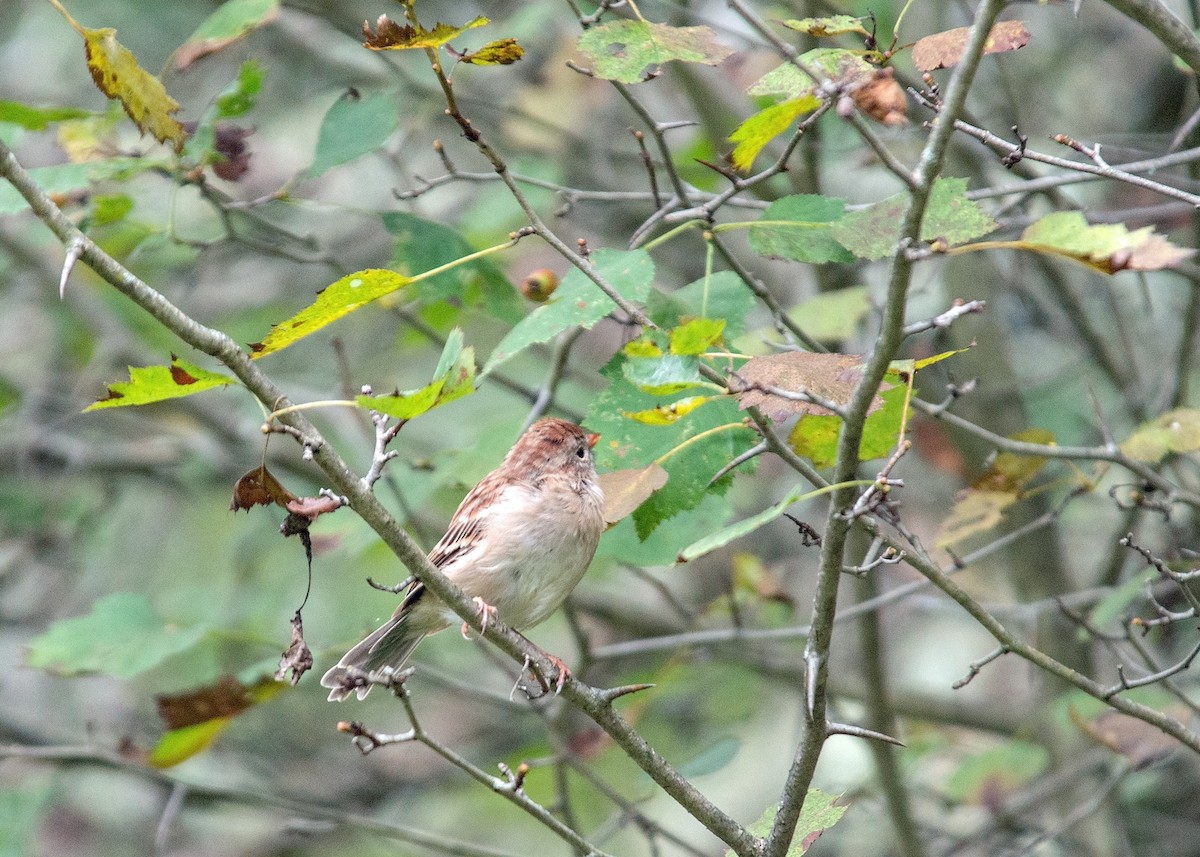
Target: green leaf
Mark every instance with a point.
(717, 540)
(60, 179)
(177, 745)
(722, 295)
(37, 118)
(238, 98)
(422, 245)
(798, 228)
(109, 208)
(578, 302)
(230, 21)
(67, 179)
(662, 376)
(996, 772)
(1175, 431)
(622, 50)
(1107, 248)
(834, 25)
(833, 316)
(158, 383)
(122, 636)
(815, 436)
(25, 803)
(697, 335)
(1114, 606)
(626, 443)
(760, 129)
(340, 298)
(711, 759)
(837, 64)
(453, 379)
(661, 547)
(873, 232)
(818, 815)
(355, 125)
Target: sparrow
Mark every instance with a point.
(519, 543)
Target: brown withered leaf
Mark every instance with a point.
(831, 377)
(225, 698)
(259, 488)
(1136, 740)
(882, 98)
(943, 50)
(298, 658)
(625, 490)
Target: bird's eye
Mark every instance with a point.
(581, 452)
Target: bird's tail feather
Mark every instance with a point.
(389, 645)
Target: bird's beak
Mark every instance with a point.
(592, 439)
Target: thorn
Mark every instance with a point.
(617, 692)
(74, 251)
(860, 732)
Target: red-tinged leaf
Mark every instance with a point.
(390, 36)
(312, 508)
(340, 298)
(499, 52)
(118, 75)
(259, 488)
(624, 50)
(760, 129)
(943, 50)
(625, 490)
(228, 23)
(830, 377)
(148, 384)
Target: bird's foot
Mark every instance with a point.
(486, 614)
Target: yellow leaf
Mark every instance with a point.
(338, 299)
(664, 415)
(118, 75)
(976, 512)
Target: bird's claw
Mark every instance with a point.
(486, 613)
